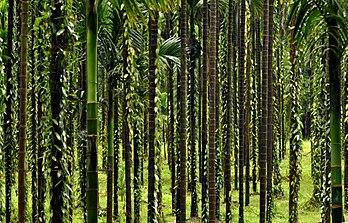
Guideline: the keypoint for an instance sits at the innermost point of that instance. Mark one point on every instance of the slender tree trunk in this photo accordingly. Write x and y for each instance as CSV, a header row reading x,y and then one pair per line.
x,y
181,217
59,42
212,112
83,144
234,92
110,149
9,146
33,135
204,114
92,111
218,171
264,113
228,116
270,117
193,54
125,131
137,185
153,26
23,111
241,85
335,125
294,175
247,126
41,181
116,152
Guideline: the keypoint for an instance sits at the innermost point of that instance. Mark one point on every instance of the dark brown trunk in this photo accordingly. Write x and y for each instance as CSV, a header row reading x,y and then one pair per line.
x,y
59,42
212,112
241,85
228,116
264,113
153,26
204,159
181,217
192,141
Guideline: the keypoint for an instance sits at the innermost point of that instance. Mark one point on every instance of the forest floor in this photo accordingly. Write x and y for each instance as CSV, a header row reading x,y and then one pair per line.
x,y
307,213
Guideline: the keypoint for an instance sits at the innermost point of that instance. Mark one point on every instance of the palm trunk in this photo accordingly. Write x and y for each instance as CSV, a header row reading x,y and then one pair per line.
x,y
110,150
247,126
294,185
212,112
137,185
92,111
23,111
264,114
181,217
8,123
241,85
204,113
194,205
234,92
335,124
41,182
218,168
125,132
270,117
116,154
83,145
33,135
153,32
228,117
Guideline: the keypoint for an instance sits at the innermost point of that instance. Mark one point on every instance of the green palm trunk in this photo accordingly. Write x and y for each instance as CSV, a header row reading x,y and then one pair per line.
x,y
335,125
92,174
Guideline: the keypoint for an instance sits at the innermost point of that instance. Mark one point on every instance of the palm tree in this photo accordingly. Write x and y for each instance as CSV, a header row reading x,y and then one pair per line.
x,y
264,113
270,115
331,15
228,116
181,216
241,85
294,138
92,107
194,50
153,32
110,166
23,111
212,112
204,112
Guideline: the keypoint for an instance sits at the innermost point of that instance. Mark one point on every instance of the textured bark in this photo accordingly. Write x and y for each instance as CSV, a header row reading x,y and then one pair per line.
x,y
241,86
110,163
125,132
270,116
228,116
57,70
153,26
204,113
8,122
23,111
264,113
181,216
137,183
116,152
192,141
212,112
92,110
83,144
335,121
